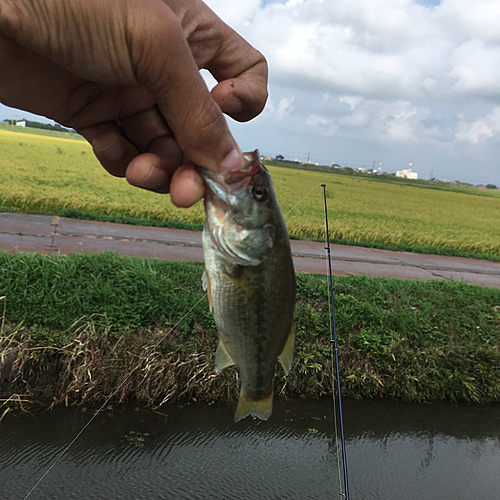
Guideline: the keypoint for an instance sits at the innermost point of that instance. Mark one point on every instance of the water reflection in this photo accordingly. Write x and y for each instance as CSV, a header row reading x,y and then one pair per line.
x,y
394,450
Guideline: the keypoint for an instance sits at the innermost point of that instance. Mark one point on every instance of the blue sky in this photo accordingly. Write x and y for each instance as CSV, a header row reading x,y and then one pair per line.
x,y
7,113
357,82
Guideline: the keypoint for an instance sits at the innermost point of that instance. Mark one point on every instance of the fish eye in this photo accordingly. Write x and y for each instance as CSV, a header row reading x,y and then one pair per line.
x,y
259,193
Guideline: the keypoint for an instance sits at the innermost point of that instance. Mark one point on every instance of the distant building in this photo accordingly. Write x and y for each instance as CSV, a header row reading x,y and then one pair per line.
x,y
20,123
407,174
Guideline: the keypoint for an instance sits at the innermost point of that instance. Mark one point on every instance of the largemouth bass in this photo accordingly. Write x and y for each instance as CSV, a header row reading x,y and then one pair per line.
x,y
250,280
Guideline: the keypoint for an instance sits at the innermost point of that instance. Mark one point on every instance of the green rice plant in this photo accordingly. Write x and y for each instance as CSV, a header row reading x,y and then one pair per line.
x,y
50,174
389,213
39,131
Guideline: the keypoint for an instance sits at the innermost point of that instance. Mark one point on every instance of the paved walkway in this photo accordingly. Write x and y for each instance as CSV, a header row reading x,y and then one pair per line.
x,y
41,233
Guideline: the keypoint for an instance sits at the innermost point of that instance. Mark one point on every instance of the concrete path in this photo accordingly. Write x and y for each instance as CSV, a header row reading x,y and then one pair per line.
x,y
48,234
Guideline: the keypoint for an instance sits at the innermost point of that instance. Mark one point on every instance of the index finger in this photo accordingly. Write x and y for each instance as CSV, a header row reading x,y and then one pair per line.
x,y
166,67
240,69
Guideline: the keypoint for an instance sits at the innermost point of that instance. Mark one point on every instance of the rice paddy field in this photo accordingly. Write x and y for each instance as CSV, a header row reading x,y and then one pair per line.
x,y
42,173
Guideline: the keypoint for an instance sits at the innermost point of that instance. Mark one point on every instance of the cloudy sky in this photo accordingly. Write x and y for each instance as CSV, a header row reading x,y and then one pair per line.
x,y
357,82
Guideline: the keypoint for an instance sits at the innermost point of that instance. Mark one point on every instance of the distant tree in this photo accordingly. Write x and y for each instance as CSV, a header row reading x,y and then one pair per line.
x,y
46,126
490,186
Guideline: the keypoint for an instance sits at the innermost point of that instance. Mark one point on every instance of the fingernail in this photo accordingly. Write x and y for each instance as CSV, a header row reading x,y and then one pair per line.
x,y
231,105
148,181
232,161
109,148
154,179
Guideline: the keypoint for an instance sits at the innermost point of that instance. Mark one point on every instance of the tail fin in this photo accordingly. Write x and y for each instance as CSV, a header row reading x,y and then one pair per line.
x,y
260,408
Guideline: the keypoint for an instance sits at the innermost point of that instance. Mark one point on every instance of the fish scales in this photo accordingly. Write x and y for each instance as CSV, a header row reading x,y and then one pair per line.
x,y
245,318
250,280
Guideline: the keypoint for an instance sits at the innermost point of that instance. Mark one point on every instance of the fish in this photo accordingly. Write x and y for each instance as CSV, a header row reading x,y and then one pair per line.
x,y
250,280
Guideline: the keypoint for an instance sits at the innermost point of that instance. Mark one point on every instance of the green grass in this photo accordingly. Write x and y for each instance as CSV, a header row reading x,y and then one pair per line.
x,y
53,292
50,174
410,340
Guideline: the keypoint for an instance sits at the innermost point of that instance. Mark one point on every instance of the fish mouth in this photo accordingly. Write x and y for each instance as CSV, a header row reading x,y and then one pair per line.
x,y
247,172
224,185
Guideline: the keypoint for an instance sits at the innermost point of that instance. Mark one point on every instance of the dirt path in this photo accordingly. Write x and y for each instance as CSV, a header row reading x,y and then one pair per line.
x,y
38,233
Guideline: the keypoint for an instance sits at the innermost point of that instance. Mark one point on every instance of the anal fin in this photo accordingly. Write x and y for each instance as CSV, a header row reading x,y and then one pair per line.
x,y
286,356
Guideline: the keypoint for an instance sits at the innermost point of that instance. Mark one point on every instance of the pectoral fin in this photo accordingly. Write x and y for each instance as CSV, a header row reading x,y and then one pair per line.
x,y
222,358
286,356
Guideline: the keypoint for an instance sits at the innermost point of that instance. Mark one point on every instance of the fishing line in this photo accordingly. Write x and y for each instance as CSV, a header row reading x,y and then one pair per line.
x,y
132,372
335,345
108,399
295,206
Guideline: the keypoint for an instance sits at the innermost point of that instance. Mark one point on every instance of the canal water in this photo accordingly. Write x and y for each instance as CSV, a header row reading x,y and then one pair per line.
x,y
395,451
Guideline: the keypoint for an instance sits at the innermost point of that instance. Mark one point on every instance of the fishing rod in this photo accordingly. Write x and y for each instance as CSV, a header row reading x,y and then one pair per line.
x,y
335,343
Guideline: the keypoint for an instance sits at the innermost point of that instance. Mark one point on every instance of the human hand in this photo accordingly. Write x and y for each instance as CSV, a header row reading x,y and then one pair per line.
x,y
125,75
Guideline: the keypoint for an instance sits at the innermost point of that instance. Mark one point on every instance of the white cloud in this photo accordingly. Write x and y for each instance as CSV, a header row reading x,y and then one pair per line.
x,y
321,124
355,120
314,120
351,116
476,69
378,48
480,130
279,110
351,100
235,13
469,19
398,121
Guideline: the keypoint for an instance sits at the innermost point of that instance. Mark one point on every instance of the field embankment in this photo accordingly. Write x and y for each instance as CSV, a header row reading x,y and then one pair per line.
x,y
61,176
81,327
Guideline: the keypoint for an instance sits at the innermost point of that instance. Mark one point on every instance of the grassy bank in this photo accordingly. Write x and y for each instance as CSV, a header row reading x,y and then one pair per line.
x,y
57,175
77,328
